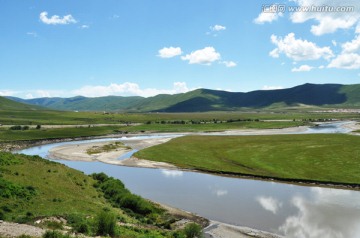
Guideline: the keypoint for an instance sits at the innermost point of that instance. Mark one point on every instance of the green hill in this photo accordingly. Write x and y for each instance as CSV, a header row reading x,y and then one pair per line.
x,y
57,192
7,104
201,100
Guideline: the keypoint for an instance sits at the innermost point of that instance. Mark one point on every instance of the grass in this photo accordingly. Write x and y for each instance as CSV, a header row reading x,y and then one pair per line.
x,y
51,117
32,188
7,135
208,127
35,134
58,188
107,148
315,157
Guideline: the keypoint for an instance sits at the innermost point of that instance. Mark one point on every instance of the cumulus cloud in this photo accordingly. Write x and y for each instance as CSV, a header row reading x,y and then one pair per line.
x,y
169,52
229,64
204,56
302,68
268,16
172,173
349,58
84,26
346,61
269,204
315,220
328,21
217,28
298,49
56,20
266,87
351,46
128,88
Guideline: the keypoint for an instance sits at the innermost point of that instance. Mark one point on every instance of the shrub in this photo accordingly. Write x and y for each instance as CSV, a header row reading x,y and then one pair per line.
x,y
38,127
54,234
193,230
106,223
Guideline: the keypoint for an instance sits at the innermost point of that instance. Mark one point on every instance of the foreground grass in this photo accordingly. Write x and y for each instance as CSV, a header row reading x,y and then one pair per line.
x,y
32,188
316,157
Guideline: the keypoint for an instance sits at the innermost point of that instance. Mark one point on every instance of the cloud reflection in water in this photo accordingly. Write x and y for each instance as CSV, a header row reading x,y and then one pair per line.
x,y
329,213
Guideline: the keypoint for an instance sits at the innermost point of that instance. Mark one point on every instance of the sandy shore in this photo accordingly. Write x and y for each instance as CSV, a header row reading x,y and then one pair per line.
x,y
221,230
78,152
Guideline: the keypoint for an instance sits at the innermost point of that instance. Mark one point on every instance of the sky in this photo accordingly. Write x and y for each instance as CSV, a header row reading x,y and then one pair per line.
x,y
140,47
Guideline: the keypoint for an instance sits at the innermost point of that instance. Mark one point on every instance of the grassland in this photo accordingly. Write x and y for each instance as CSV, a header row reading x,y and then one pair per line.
x,y
51,117
32,188
324,158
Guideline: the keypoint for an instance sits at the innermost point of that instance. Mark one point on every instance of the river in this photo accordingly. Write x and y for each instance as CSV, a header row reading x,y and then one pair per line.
x,y
285,209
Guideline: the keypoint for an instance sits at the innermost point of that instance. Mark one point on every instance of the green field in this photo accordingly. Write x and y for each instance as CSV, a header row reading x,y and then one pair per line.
x,y
51,117
32,188
331,158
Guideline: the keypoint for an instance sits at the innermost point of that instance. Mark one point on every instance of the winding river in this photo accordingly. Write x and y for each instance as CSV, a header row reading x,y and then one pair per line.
x,y
285,209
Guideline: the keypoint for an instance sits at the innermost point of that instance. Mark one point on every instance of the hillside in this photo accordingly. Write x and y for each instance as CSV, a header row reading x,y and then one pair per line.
x,y
7,104
201,100
51,196
80,103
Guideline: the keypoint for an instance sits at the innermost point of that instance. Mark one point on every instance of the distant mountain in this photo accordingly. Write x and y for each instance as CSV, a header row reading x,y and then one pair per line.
x,y
201,100
10,105
79,103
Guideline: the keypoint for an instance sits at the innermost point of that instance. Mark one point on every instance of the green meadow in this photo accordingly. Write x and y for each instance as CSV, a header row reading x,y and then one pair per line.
x,y
331,158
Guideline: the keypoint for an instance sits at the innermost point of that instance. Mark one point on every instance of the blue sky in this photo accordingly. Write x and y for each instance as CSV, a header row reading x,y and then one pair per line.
x,y
138,47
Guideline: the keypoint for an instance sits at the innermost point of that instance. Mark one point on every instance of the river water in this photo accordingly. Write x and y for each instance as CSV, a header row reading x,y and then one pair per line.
x,y
285,209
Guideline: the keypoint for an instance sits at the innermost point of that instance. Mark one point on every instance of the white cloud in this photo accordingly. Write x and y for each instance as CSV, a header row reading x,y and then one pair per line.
x,y
321,66
302,68
351,46
84,26
349,57
7,93
204,56
217,28
172,173
357,30
268,16
334,42
29,96
269,204
169,52
298,49
346,61
266,87
56,20
328,21
229,64
127,89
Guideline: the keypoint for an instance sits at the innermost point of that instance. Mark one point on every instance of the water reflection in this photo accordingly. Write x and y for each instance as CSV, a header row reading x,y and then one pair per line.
x,y
171,173
327,213
270,204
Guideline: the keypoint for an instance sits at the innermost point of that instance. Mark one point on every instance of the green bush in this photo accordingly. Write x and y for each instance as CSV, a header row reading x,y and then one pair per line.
x,y
193,230
106,224
54,234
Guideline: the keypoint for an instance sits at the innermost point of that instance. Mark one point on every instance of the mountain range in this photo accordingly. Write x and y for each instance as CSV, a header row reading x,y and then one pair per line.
x,y
201,100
